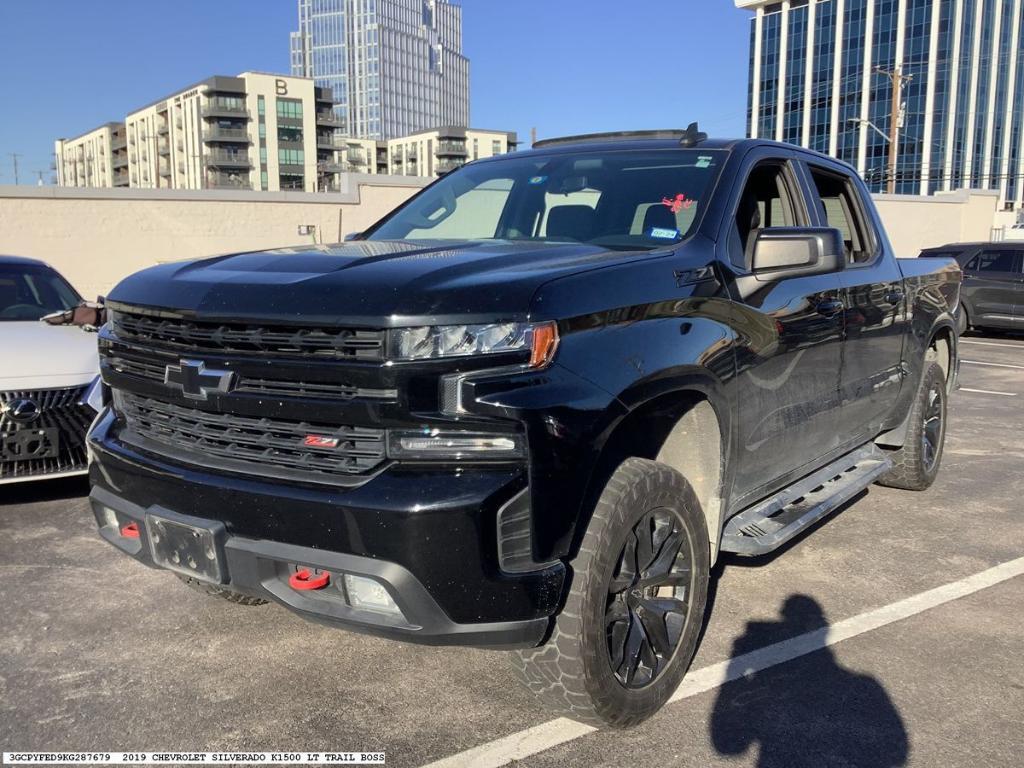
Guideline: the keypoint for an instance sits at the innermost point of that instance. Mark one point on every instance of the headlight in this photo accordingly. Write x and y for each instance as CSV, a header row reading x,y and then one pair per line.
x,y
96,396
428,342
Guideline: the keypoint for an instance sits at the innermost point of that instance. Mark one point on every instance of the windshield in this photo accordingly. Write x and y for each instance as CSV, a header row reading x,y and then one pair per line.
x,y
626,199
27,292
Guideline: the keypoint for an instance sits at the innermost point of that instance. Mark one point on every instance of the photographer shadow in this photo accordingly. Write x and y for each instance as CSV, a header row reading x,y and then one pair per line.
x,y
807,712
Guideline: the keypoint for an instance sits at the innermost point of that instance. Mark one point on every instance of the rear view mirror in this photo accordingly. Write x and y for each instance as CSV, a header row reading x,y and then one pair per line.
x,y
781,252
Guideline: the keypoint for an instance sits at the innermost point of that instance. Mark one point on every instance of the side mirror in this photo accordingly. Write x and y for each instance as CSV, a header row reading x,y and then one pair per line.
x,y
781,252
353,236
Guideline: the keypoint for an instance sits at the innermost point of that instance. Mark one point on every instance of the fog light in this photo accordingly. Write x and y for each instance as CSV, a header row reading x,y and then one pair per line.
x,y
369,595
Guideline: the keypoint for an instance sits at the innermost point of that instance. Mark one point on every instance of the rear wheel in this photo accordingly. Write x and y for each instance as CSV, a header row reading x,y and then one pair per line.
x,y
916,464
630,624
961,321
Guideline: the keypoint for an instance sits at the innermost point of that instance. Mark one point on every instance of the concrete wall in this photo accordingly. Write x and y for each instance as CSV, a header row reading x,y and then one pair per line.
x,y
97,236
914,222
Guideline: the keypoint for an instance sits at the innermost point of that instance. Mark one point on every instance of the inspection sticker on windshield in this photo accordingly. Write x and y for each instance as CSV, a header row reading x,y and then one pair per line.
x,y
538,179
663,234
704,161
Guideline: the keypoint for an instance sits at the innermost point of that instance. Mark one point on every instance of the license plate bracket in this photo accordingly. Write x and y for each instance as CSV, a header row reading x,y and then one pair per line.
x,y
187,545
26,444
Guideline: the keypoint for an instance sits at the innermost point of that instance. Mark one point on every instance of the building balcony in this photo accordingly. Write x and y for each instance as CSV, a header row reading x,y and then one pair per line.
x,y
330,166
445,166
213,109
328,118
162,129
221,181
329,143
118,142
226,134
165,171
121,180
356,156
163,149
451,149
229,160
119,161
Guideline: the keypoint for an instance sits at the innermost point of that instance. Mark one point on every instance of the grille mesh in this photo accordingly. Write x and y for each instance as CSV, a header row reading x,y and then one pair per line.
x,y
257,446
197,337
60,410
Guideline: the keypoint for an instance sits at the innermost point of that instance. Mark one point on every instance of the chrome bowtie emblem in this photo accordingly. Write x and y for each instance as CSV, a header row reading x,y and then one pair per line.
x,y
22,410
196,381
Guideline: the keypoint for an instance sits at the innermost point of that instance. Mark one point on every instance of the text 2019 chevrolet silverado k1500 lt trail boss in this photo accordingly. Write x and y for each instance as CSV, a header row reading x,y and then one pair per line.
x,y
530,407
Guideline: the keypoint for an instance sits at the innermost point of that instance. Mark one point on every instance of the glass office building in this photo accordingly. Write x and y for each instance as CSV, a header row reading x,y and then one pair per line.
x,y
815,80
395,67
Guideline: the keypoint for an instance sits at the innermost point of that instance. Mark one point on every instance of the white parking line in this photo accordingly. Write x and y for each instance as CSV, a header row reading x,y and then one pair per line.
x,y
994,365
991,344
532,741
988,392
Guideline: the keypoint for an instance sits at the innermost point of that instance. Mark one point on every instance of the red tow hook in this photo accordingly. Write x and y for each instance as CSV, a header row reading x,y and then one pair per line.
x,y
130,530
304,580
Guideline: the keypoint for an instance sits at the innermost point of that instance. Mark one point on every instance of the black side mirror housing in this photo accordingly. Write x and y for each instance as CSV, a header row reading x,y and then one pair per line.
x,y
781,252
353,236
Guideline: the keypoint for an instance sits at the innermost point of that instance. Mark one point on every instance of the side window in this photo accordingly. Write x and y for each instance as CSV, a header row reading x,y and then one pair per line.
x,y
840,208
767,200
996,261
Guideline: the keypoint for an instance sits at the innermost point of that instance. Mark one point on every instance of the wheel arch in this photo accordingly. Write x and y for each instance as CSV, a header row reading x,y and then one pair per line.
x,y
686,428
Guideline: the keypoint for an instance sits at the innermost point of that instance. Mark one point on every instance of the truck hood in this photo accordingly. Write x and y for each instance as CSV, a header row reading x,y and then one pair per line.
x,y
34,355
389,283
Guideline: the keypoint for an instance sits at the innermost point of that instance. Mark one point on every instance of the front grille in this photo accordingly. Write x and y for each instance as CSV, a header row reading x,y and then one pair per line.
x,y
255,446
154,371
195,336
27,450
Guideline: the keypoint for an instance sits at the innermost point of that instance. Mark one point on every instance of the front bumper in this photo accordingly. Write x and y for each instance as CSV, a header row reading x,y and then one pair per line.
x,y
429,536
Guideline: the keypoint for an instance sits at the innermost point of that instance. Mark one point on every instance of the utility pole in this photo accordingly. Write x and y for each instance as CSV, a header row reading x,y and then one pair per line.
x,y
898,80
14,157
40,175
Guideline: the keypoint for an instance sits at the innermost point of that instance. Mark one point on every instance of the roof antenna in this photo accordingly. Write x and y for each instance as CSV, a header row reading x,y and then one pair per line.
x,y
693,136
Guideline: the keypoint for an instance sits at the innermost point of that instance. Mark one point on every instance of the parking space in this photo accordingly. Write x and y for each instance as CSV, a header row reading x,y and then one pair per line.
x,y
100,653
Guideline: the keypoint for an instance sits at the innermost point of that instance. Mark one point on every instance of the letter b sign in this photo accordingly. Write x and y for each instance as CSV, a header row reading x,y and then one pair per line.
x,y
281,87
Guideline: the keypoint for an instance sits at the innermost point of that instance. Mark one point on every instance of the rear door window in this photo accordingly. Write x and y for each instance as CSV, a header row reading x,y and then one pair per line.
x,y
841,208
1001,260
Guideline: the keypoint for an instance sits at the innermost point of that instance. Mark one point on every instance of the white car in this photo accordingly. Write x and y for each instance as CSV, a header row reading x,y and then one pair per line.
x,y
49,376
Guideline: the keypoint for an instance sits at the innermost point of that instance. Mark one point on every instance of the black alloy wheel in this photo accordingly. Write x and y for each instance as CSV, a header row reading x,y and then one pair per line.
x,y
649,598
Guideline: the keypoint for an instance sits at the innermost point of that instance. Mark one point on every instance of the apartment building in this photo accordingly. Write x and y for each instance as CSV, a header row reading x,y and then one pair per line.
x,y
395,67
255,131
823,75
98,158
438,151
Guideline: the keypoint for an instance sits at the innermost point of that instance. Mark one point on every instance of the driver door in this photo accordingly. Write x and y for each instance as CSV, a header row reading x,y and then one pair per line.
x,y
790,332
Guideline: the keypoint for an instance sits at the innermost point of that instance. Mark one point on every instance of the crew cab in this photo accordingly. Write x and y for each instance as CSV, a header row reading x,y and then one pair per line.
x,y
530,407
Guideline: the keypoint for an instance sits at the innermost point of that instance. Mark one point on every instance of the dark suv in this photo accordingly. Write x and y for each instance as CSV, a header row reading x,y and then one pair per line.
x,y
993,291
530,407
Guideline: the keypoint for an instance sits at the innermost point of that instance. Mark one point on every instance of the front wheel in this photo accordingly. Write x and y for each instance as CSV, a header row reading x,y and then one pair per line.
x,y
629,628
916,464
961,321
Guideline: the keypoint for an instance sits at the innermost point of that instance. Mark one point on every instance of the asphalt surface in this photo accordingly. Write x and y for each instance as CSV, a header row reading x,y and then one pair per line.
x,y
100,653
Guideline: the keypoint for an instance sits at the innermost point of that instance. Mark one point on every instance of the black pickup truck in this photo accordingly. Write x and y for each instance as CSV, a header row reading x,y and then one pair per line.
x,y
529,408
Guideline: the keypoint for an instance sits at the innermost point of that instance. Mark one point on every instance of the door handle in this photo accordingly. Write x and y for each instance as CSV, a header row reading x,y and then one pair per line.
x,y
894,297
829,307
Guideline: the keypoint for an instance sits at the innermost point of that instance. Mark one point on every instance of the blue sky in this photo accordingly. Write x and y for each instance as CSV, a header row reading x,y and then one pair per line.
x,y
564,66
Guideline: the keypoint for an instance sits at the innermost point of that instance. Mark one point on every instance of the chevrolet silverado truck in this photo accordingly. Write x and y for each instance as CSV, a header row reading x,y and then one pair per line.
x,y
531,407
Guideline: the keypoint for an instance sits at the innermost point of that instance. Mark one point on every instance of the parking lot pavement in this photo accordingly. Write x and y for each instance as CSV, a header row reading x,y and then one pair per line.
x,y
100,653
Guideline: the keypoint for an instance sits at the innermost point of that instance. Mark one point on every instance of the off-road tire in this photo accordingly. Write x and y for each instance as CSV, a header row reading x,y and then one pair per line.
x,y
911,470
962,323
572,672
212,590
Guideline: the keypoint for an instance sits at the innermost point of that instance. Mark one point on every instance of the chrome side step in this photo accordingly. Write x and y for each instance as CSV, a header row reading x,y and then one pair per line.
x,y
769,524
